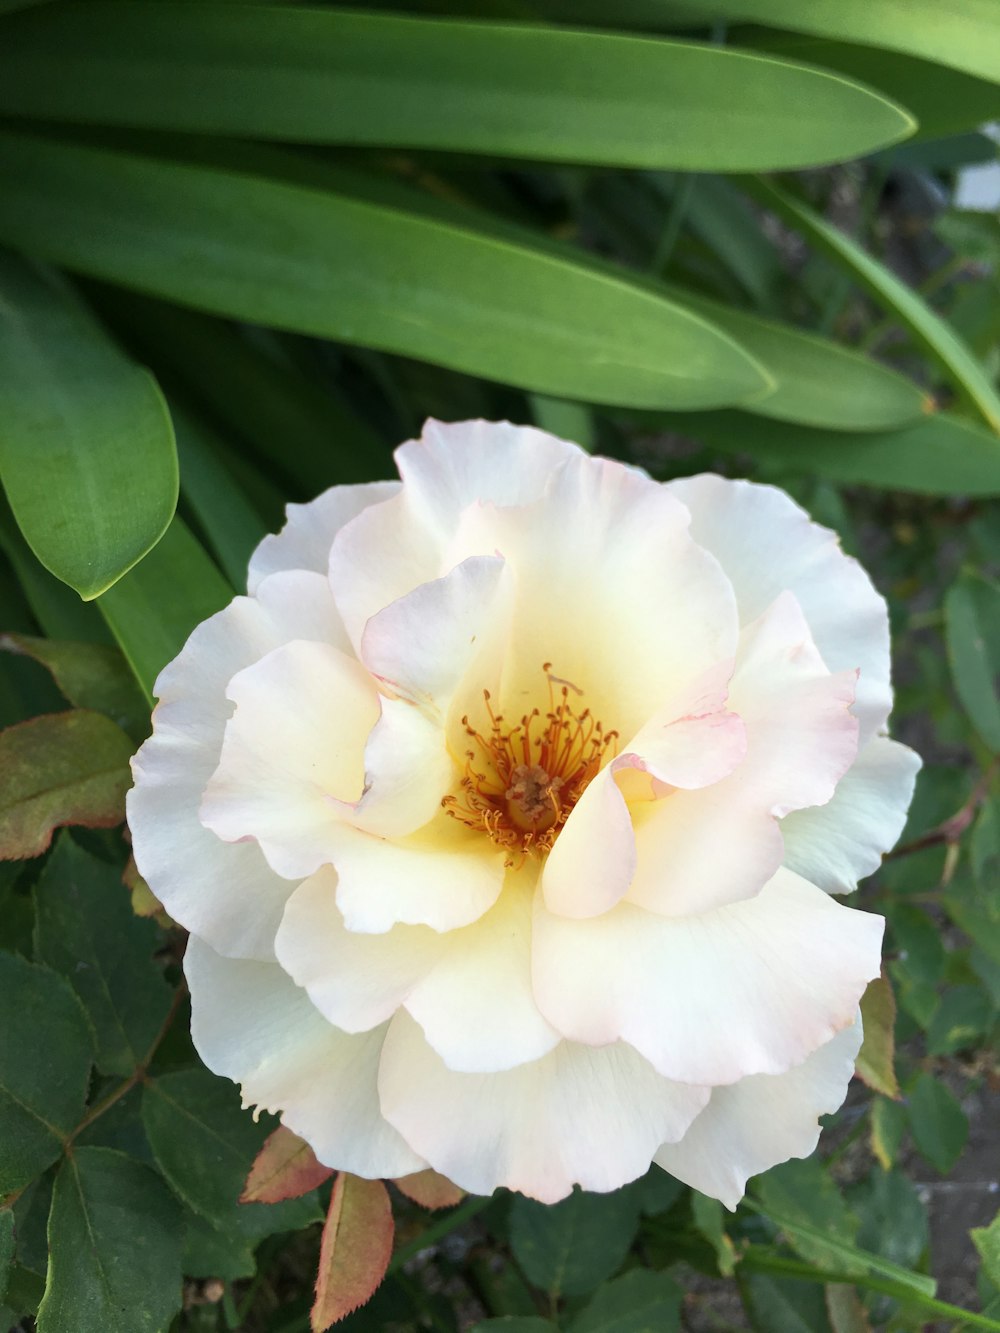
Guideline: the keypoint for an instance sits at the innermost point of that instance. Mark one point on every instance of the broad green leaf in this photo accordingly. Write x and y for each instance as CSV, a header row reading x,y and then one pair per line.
x,y
355,1249
211,1251
45,1056
962,33
338,267
893,1220
61,768
844,1309
515,1323
942,455
875,1063
90,675
153,609
945,101
818,382
937,337
513,91
801,1194
304,430
960,1020
231,525
205,1145
86,446
58,610
937,1121
780,1305
974,235
86,930
972,633
569,1248
634,1303
115,1263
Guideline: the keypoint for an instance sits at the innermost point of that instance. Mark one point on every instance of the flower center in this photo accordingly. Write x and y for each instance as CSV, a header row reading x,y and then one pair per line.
x,y
521,782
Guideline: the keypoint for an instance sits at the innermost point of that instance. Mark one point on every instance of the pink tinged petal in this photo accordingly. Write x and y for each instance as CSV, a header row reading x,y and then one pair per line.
x,y
763,1120
444,876
767,545
575,1116
425,644
292,759
356,981
250,1023
836,844
698,850
750,988
476,1005
305,540
454,465
225,892
610,589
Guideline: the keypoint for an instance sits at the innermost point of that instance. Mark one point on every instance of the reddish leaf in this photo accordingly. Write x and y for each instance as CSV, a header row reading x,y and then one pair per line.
x,y
876,1065
355,1251
284,1168
430,1190
61,768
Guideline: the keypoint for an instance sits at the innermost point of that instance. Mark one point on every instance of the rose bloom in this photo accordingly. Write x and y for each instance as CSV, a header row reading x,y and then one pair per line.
x,y
505,812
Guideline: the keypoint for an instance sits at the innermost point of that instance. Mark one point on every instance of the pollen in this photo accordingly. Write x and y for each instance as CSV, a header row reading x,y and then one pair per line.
x,y
520,782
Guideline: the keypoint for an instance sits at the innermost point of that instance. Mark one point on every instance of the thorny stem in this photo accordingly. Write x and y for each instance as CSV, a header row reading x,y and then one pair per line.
x,y
951,831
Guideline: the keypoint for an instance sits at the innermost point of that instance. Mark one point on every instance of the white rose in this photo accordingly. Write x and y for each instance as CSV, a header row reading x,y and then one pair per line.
x,y
504,813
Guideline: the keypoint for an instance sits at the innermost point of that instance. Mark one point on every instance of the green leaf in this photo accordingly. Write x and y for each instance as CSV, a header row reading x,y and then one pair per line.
x,y
778,1305
893,1220
86,448
58,610
876,1059
512,91
515,1323
231,525
987,1242
801,1197
85,929
205,1144
115,1261
972,631
211,1251
322,263
965,35
634,1303
942,455
45,1056
928,329
155,607
964,1014
61,768
709,1219
937,1122
6,1247
569,1248
945,101
90,675
818,383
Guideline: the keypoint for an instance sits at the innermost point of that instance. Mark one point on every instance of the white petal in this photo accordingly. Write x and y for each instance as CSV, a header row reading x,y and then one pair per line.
x,y
836,844
476,1005
698,850
425,644
408,769
454,465
226,892
611,590
250,1023
576,1116
356,981
443,876
305,540
767,545
750,988
292,760
761,1121
592,863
